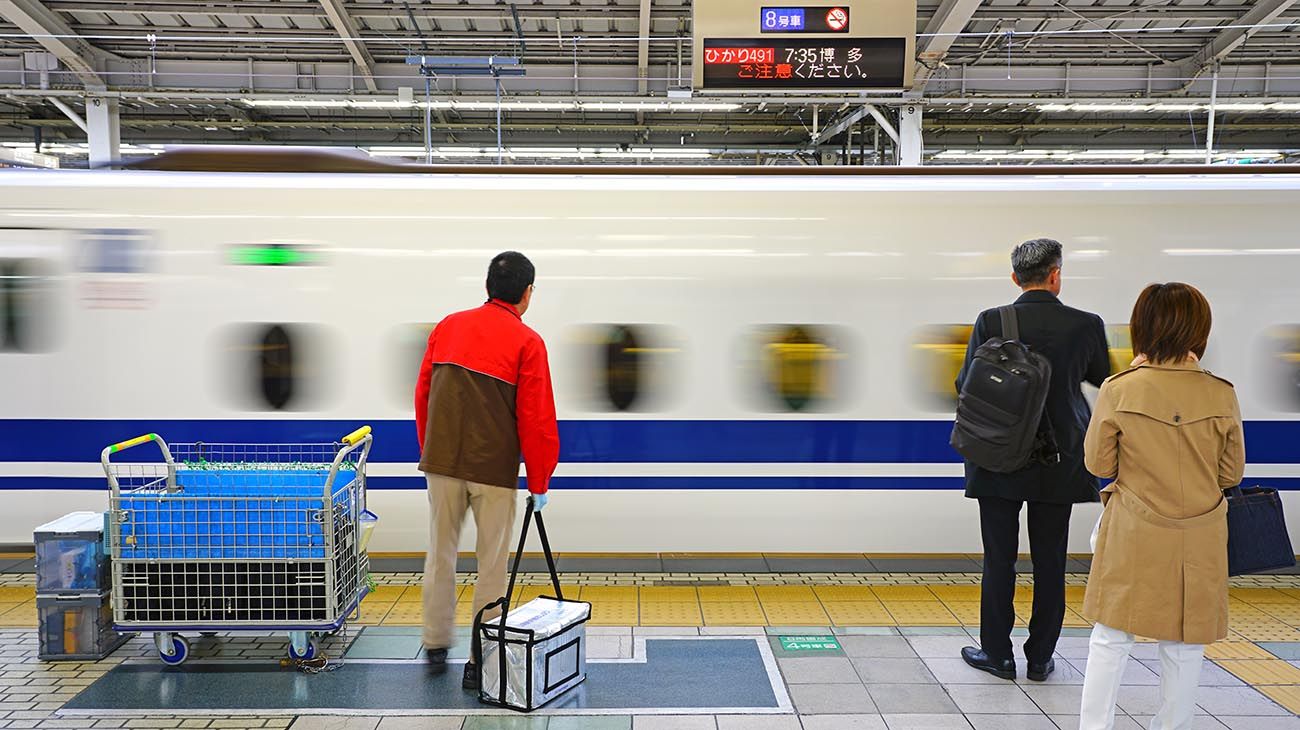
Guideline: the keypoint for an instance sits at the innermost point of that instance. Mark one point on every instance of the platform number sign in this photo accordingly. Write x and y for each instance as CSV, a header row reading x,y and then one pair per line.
x,y
809,643
804,19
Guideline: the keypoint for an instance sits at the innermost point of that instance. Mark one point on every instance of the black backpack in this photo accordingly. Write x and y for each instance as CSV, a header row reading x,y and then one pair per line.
x,y
1000,421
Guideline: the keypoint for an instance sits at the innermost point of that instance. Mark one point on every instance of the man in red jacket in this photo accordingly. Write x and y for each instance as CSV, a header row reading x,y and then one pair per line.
x,y
484,395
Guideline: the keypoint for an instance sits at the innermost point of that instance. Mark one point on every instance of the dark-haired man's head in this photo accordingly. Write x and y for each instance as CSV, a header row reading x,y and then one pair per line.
x,y
1036,264
510,279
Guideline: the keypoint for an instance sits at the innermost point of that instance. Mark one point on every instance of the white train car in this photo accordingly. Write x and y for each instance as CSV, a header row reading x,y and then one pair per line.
x,y
743,362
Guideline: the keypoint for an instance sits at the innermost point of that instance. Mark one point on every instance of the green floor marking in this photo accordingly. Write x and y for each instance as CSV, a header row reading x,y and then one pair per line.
x,y
809,643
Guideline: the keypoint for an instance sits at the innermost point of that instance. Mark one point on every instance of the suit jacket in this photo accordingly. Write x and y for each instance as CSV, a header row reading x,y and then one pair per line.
x,y
1074,342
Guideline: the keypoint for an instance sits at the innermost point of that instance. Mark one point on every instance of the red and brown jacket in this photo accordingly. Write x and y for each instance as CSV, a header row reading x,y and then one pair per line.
x,y
484,395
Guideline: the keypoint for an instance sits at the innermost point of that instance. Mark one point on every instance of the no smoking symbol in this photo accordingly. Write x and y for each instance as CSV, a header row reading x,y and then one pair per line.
x,y
837,19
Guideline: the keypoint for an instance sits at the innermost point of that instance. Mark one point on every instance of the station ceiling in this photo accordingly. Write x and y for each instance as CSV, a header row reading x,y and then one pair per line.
x,y
609,79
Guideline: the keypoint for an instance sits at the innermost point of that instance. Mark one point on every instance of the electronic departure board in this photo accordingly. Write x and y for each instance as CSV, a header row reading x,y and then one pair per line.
x,y
804,19
804,63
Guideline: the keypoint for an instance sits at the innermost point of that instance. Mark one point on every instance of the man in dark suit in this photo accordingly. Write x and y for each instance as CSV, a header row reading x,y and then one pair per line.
x,y
1074,342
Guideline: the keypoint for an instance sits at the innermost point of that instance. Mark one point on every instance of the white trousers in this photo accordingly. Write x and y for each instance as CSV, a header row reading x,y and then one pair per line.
x,y
1108,651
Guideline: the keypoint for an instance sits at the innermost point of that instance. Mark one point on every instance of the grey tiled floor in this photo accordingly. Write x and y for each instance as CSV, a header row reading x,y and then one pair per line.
x,y
882,679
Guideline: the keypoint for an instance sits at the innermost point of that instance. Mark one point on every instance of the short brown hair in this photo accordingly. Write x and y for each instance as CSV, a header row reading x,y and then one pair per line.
x,y
1169,321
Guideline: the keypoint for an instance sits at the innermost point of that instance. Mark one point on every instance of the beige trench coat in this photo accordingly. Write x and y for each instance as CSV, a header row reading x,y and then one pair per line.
x,y
1170,436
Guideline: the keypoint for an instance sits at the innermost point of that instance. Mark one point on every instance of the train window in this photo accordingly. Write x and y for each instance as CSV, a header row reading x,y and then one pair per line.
x,y
281,367
628,366
938,352
25,305
1282,359
1121,347
799,367
275,367
407,344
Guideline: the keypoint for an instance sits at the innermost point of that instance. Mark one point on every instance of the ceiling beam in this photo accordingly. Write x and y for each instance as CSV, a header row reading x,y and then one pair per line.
x,y
951,18
347,31
443,10
57,37
1229,39
643,49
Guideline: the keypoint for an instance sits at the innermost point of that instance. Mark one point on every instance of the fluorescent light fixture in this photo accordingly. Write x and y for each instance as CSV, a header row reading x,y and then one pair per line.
x,y
1241,107
1177,107
482,104
657,106
551,153
299,103
1109,107
1165,107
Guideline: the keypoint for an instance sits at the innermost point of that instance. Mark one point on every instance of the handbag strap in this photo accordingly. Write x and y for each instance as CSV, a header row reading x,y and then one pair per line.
x,y
1010,322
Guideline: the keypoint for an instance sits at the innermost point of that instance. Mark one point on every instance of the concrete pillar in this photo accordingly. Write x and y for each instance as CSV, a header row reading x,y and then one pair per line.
x,y
105,131
910,144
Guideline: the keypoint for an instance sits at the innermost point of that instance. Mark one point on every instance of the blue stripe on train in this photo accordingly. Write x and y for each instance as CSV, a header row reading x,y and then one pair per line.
x,y
640,483
623,441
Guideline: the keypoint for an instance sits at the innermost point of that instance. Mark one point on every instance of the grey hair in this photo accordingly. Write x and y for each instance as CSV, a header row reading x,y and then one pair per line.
x,y
1034,260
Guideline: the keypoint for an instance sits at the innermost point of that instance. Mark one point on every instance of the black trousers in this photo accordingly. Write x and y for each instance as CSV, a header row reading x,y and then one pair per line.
x,y
1049,528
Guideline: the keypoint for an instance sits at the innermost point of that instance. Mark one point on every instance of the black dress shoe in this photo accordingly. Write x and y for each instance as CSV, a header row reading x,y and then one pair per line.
x,y
437,660
471,679
1039,672
1001,668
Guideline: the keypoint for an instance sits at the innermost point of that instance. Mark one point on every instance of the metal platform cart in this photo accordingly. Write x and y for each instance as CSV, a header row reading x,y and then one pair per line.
x,y
239,537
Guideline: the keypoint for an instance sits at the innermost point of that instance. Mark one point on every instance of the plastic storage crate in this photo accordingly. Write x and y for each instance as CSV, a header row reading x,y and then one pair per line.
x,y
70,555
76,627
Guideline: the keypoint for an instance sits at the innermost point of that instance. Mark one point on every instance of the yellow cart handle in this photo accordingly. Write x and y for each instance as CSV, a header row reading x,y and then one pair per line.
x,y
131,443
124,445
353,438
358,439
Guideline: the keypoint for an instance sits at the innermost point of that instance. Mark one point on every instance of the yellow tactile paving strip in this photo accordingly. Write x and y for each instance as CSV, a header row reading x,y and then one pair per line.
x,y
1259,612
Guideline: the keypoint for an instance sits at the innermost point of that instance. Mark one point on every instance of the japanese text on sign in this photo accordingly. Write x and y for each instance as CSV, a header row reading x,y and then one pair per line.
x,y
740,55
783,19
812,63
805,19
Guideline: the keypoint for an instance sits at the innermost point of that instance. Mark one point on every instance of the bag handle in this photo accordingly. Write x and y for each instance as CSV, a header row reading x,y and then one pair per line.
x,y
1010,322
504,602
529,515
476,641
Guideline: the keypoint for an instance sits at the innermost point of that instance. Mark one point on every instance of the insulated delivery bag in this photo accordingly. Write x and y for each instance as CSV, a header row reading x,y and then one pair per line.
x,y
532,654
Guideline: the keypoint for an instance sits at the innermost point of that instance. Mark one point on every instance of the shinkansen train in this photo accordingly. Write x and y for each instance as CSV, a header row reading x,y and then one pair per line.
x,y
743,360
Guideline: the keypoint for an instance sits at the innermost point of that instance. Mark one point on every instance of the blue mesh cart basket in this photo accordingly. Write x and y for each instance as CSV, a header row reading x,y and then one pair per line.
x,y
238,537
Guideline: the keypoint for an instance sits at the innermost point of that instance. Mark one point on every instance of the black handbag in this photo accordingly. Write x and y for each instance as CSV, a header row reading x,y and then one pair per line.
x,y
1257,535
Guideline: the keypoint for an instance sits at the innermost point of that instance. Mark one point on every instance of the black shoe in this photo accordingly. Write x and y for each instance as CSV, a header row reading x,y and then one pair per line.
x,y
437,660
471,680
1040,672
1003,669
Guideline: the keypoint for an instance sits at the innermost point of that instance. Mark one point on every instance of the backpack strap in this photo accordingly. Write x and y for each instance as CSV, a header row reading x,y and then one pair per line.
x,y
1010,323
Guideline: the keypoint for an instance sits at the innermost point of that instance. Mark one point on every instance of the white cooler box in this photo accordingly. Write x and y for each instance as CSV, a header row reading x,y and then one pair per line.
x,y
544,650
541,651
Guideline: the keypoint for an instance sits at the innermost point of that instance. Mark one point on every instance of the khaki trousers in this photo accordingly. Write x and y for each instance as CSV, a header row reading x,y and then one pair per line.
x,y
494,519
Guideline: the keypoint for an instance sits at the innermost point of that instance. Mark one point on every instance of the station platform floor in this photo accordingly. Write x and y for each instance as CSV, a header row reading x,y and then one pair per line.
x,y
667,650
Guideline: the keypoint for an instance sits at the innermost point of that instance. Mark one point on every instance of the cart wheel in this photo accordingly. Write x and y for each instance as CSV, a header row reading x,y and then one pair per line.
x,y
307,654
180,651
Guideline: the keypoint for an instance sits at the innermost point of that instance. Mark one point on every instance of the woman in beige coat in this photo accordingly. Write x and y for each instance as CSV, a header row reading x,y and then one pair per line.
x,y
1169,434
